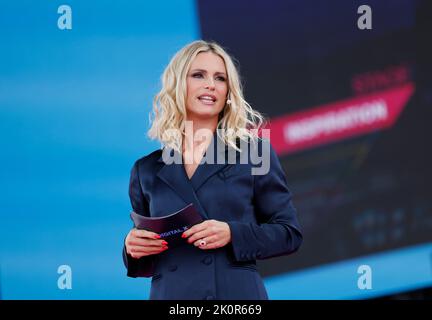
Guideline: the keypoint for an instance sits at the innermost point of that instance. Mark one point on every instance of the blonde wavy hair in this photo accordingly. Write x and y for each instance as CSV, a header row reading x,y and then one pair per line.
x,y
237,120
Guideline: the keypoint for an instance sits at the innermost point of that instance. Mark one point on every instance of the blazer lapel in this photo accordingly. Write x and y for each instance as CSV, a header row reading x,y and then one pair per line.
x,y
174,175
216,152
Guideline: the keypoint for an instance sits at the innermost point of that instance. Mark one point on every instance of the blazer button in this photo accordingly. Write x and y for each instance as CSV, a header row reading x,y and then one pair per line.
x,y
207,260
173,268
210,298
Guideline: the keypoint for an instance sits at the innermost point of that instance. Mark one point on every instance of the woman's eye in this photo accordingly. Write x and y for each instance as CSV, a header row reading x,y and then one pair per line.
x,y
197,75
220,78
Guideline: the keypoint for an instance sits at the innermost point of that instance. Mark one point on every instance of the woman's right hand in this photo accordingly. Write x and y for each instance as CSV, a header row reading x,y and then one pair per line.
x,y
140,243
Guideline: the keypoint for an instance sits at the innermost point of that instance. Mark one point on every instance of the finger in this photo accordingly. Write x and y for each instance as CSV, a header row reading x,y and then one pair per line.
x,y
207,241
138,255
198,235
200,243
141,233
147,242
212,245
139,249
196,228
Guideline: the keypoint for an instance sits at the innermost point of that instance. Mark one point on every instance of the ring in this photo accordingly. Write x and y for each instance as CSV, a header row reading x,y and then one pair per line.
x,y
202,242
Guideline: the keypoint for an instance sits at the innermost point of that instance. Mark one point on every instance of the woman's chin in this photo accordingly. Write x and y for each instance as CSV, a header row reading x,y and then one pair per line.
x,y
202,115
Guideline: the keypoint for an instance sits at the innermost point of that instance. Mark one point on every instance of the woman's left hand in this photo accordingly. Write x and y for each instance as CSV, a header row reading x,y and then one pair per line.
x,y
210,234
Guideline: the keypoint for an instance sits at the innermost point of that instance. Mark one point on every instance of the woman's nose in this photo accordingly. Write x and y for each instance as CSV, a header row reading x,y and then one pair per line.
x,y
210,84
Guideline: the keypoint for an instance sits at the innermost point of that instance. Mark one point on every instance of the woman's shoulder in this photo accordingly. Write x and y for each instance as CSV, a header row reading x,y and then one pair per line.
x,y
149,160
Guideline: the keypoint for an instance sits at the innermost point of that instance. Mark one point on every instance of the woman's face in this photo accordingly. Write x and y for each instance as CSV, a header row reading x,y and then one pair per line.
x,y
207,87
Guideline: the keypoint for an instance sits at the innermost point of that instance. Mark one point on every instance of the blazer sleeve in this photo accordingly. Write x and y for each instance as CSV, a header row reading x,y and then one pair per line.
x,y
144,266
277,231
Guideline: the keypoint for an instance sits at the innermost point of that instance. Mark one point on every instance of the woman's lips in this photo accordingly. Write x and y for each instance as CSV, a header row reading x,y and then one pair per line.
x,y
207,100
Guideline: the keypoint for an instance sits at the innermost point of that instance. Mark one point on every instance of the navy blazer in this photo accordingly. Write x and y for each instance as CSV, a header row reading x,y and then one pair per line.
x,y
258,209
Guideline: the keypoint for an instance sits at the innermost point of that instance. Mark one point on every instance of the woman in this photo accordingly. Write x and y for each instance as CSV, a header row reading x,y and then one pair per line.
x,y
246,216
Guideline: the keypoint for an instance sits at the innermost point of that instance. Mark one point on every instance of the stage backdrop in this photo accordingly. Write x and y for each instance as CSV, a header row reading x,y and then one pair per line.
x,y
349,114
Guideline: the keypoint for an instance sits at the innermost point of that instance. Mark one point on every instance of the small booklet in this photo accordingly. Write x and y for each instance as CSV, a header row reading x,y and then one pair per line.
x,y
169,227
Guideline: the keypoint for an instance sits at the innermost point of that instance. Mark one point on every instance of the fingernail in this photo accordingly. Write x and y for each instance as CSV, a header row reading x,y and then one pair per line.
x,y
157,236
164,242
164,248
183,236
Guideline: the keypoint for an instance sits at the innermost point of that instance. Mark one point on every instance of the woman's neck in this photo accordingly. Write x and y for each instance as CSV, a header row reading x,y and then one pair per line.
x,y
198,133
